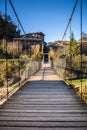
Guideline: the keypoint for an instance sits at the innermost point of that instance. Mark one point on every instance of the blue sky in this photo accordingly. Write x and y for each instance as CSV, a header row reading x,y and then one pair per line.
x,y
48,16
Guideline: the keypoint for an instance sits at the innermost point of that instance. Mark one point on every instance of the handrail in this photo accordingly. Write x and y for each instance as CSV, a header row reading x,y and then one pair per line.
x,y
65,72
30,69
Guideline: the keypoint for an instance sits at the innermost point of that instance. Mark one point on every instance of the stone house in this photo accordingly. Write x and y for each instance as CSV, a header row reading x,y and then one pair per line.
x,y
32,42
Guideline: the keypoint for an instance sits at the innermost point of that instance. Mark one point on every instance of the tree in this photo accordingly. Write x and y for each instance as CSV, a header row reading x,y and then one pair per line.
x,y
1,26
52,54
7,28
74,48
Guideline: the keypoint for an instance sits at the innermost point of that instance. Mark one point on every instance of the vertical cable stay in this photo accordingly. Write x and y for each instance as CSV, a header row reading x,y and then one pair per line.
x,y
70,19
6,46
81,43
70,53
18,57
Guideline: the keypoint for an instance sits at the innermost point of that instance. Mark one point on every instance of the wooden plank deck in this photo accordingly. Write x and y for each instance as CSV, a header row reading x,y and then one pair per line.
x,y
44,103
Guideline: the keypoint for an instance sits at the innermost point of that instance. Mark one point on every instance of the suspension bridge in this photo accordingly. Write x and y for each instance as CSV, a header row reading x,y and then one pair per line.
x,y
39,98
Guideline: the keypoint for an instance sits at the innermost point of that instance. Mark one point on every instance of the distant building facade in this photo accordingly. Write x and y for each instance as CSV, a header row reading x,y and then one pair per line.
x,y
31,42
84,46
66,44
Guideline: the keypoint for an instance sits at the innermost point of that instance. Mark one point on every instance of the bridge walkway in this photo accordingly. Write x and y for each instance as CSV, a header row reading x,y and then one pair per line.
x,y
44,103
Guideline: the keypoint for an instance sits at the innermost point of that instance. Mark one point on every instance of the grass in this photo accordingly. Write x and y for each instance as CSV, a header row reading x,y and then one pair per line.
x,y
76,83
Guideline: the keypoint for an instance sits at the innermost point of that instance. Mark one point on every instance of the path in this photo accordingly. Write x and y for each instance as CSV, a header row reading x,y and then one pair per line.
x,y
44,103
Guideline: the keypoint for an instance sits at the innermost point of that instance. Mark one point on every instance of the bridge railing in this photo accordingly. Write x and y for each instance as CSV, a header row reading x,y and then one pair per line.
x,y
14,75
59,67
72,77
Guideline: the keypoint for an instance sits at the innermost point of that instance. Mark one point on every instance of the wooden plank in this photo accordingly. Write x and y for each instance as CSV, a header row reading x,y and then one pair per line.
x,y
44,114
42,124
41,105
43,128
50,119
45,103
46,108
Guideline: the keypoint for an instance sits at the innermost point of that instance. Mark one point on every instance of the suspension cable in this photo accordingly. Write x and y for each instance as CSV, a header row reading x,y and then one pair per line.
x,y
70,19
17,16
18,21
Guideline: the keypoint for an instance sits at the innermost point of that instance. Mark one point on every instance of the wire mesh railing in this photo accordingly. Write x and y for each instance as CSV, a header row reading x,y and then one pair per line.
x,y
72,77
16,65
15,77
72,66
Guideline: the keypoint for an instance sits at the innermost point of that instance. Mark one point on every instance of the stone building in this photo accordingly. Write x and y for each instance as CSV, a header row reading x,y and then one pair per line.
x,y
84,46
32,42
11,45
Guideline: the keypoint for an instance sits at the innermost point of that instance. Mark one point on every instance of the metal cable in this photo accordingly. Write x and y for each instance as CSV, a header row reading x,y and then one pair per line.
x,y
16,16
70,53
18,21
6,47
81,43
70,19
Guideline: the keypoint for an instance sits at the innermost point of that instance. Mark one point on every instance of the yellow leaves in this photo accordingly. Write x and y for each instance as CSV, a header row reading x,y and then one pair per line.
x,y
52,54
